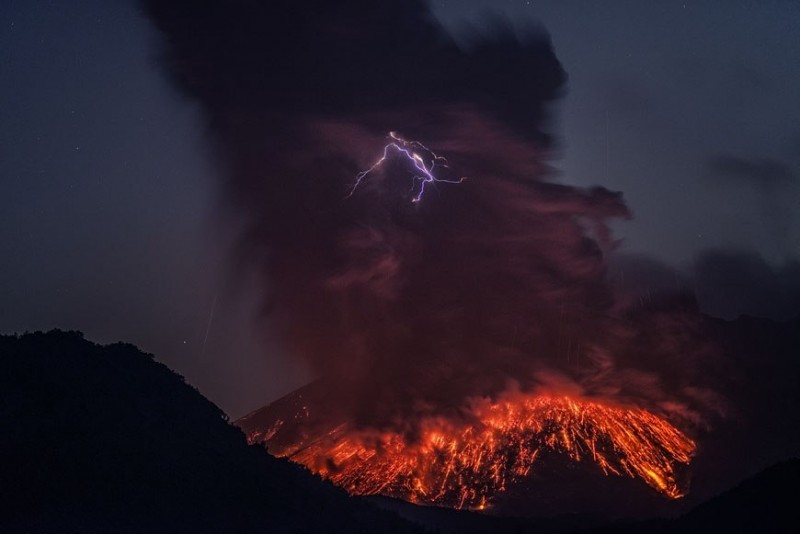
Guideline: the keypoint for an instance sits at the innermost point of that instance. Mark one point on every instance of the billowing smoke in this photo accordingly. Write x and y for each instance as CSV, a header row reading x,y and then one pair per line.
x,y
493,284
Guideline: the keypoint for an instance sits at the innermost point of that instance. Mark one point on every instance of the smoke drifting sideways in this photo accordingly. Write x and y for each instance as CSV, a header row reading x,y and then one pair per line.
x,y
412,309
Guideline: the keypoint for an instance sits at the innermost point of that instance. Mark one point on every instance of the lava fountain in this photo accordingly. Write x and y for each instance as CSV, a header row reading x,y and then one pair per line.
x,y
464,462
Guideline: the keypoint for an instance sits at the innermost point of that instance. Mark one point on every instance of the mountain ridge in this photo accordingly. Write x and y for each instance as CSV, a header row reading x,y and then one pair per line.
x,y
106,439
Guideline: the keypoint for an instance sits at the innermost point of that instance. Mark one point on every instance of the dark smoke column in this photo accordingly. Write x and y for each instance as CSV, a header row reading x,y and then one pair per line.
x,y
299,99
415,311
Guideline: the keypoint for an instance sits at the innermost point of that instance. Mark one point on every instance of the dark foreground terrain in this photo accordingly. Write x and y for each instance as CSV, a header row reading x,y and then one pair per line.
x,y
105,439
766,502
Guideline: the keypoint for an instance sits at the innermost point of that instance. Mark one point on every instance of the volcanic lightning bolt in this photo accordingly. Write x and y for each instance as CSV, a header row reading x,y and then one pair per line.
x,y
424,160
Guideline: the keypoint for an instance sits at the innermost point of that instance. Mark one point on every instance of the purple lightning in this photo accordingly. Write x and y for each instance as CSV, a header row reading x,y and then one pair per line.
x,y
410,149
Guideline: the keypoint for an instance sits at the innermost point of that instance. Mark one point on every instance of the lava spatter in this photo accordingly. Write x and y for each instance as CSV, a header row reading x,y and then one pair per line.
x,y
465,462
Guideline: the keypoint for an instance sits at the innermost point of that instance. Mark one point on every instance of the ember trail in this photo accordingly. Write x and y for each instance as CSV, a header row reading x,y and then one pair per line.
x,y
421,157
464,464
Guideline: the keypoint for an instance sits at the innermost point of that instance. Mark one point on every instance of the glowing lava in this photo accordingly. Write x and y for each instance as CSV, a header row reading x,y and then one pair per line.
x,y
465,462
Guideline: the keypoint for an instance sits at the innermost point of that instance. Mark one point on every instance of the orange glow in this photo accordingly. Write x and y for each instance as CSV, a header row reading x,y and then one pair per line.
x,y
465,462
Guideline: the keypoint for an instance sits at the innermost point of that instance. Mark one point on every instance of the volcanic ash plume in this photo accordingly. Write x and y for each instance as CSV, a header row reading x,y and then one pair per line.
x,y
451,297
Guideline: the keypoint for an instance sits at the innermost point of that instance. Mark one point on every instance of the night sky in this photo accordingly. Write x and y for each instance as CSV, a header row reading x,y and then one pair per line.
x,y
110,221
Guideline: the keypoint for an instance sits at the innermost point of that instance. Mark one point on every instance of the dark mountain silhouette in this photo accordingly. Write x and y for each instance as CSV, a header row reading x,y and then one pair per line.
x,y
103,438
767,502
764,503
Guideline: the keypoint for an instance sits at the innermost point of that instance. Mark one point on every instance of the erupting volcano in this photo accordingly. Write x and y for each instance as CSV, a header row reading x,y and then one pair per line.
x,y
468,335
465,461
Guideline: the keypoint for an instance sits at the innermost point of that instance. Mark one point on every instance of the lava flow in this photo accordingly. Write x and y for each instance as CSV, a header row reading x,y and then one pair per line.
x,y
466,462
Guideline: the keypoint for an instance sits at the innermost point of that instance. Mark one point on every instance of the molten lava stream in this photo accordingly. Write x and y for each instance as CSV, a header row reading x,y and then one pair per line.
x,y
464,464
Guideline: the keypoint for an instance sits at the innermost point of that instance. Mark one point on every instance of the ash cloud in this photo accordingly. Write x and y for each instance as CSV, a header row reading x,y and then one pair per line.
x,y
734,283
760,173
771,186
500,281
